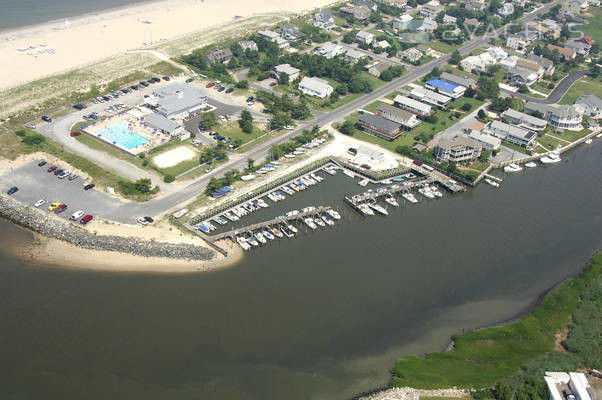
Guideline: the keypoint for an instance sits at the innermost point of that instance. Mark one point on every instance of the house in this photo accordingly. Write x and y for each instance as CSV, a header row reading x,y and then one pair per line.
x,y
581,45
572,385
578,5
447,88
426,25
523,120
379,126
376,68
521,76
512,134
563,51
315,87
412,105
459,80
412,54
519,3
248,45
398,115
329,50
419,148
215,56
517,42
402,22
163,124
292,72
282,43
361,13
383,44
565,116
486,141
459,149
552,25
368,4
472,22
427,50
270,35
506,10
430,11
509,62
428,96
448,19
323,20
531,65
497,52
591,104
178,101
394,3
292,33
353,56
547,65
364,37
475,5
477,63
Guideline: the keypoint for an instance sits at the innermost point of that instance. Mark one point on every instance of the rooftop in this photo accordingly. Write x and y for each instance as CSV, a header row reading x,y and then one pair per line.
x,y
380,123
450,87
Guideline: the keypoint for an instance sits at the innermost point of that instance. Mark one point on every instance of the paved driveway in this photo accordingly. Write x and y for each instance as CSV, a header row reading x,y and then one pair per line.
x,y
559,91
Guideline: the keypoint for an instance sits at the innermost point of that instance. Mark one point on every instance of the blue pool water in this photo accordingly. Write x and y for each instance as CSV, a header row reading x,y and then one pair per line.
x,y
120,135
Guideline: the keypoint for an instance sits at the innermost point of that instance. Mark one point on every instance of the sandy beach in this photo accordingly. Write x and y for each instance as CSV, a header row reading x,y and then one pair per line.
x,y
80,41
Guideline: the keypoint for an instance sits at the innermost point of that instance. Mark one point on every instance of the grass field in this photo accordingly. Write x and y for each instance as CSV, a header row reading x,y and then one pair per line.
x,y
440,46
482,358
583,85
594,28
233,131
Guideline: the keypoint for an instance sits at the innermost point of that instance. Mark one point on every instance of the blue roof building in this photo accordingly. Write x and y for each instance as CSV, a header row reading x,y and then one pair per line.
x,y
447,88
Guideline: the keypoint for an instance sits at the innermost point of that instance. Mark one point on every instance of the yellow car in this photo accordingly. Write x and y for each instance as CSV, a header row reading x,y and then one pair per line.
x,y
54,206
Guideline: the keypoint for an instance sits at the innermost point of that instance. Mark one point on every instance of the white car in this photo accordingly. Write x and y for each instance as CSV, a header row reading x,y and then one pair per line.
x,y
142,221
77,215
289,128
72,177
64,174
39,202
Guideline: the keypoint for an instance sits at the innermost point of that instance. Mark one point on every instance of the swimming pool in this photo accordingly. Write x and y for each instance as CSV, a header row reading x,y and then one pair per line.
x,y
120,135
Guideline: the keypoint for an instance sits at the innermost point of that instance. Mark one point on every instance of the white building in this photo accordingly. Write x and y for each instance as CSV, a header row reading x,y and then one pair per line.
x,y
506,10
574,382
459,149
477,63
565,116
488,142
364,37
523,120
430,11
431,97
591,105
292,72
402,22
513,134
329,50
249,45
315,87
353,56
270,35
412,105
383,44
323,20
178,101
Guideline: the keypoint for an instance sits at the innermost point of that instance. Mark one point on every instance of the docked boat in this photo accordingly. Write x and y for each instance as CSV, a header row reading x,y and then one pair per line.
x,y
410,197
220,220
589,141
203,228
425,191
330,171
260,237
277,232
363,182
308,209
288,190
552,158
292,228
251,239
349,173
310,222
268,235
295,187
374,205
247,177
288,233
512,168
289,156
386,181
209,225
273,197
530,164
398,179
243,243
334,214
492,182
327,219
365,209
391,200
319,222
262,203
435,191
231,216
317,178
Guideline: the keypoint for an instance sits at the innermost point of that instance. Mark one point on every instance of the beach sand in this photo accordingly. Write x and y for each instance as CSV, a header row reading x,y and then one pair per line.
x,y
83,40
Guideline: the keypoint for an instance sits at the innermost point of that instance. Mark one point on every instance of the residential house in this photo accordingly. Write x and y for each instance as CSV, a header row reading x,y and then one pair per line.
x,y
282,43
426,50
383,44
368,4
475,5
591,104
427,25
547,65
519,3
512,134
509,62
497,52
521,76
459,149
459,80
517,42
448,19
563,51
270,35
292,72
364,37
523,120
292,33
353,56
486,141
323,20
577,6
329,50
446,88
430,11
394,3
398,115
564,117
429,96
553,26
402,22
376,68
581,45
419,148
412,54
412,105
379,126
478,63
215,56
506,10
315,87
531,65
248,45
472,22
361,13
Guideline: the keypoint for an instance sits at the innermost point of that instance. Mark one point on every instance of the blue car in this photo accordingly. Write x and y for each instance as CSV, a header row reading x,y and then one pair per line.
x,y
12,190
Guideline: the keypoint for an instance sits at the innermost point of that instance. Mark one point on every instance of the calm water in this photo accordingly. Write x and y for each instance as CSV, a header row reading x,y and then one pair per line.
x,y
19,13
320,317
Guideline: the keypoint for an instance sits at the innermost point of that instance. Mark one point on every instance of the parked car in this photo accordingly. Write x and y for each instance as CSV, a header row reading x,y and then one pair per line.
x,y
289,127
221,89
51,169
30,126
366,166
72,177
142,221
75,133
273,83
60,209
79,106
149,220
54,206
89,186
64,174
41,163
210,85
189,80
86,219
165,78
230,90
39,203
77,215
46,118
208,169
57,172
12,190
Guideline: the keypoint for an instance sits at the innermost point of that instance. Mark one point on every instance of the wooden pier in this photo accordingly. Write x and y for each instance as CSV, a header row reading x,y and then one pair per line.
x,y
359,198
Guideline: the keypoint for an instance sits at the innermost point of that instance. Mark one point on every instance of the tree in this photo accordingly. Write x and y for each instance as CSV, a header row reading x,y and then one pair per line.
x,y
523,89
485,154
386,76
143,185
33,140
208,120
244,84
359,85
283,78
455,58
169,178
250,163
470,92
594,70
342,89
488,88
481,114
347,128
466,107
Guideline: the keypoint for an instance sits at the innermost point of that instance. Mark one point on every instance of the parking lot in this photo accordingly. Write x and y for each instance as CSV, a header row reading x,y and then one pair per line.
x,y
36,183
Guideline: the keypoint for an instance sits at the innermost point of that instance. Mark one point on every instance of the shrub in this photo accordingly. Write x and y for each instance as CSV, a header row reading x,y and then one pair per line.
x,y
34,140
169,178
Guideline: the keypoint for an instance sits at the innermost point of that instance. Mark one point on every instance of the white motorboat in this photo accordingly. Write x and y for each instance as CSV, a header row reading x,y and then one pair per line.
x,y
286,232
334,214
308,209
277,232
363,182
310,222
386,181
317,178
349,173
589,141
330,171
410,197
251,239
530,164
492,182
268,235
243,243
391,200
260,237
247,177
328,220
365,208
288,190
512,168
436,191
273,197
378,208
319,222
292,228
262,203
552,158
425,191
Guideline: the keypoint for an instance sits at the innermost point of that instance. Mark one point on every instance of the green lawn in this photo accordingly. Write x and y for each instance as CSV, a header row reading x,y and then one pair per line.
x,y
164,68
583,85
515,147
440,46
594,28
233,131
482,358
541,87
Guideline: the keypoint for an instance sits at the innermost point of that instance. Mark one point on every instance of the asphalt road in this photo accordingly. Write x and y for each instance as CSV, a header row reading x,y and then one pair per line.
x,y
559,91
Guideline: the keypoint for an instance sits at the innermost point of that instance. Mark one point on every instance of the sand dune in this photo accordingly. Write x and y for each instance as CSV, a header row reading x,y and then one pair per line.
x,y
60,46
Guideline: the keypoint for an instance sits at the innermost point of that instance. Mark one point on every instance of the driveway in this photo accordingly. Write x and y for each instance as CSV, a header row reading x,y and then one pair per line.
x,y
459,127
559,91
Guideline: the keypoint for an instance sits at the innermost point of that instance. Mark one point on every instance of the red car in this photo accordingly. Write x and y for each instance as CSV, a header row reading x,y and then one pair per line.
x,y
85,219
273,83
75,133
210,85
60,209
366,166
51,169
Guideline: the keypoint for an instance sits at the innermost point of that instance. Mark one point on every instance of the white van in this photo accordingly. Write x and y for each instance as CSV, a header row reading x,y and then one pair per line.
x,y
77,215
